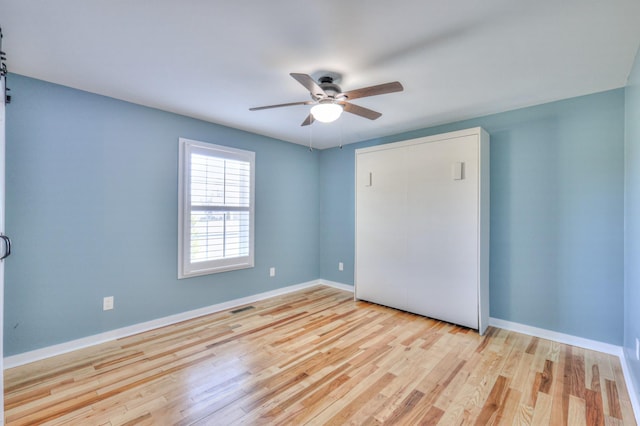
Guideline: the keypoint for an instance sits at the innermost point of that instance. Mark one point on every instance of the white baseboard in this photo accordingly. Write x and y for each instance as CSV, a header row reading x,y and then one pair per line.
x,y
49,351
339,286
568,339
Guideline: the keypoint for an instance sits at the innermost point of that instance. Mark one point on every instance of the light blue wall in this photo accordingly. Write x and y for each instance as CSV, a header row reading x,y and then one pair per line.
x,y
92,211
556,213
632,221
337,214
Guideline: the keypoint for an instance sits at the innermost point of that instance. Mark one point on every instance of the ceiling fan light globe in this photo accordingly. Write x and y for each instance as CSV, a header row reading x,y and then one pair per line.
x,y
326,112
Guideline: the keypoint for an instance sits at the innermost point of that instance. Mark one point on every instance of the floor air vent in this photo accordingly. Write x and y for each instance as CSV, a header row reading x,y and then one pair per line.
x,y
246,308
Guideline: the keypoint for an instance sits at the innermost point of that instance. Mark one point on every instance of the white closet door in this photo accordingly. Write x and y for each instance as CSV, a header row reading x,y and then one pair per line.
x,y
381,238
442,217
422,226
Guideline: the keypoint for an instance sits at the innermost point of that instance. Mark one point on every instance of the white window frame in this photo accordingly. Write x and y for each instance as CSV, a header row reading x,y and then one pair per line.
x,y
186,268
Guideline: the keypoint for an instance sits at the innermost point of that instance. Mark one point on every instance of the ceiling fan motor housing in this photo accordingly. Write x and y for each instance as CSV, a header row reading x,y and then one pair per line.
x,y
329,87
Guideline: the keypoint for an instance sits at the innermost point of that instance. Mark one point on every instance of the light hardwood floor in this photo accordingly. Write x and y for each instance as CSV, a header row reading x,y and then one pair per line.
x,y
318,357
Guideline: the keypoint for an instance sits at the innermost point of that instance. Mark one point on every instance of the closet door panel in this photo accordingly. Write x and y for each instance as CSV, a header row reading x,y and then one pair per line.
x,y
422,228
442,251
381,234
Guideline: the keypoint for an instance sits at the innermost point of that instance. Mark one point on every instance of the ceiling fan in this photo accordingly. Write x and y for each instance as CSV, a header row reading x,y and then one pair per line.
x,y
329,100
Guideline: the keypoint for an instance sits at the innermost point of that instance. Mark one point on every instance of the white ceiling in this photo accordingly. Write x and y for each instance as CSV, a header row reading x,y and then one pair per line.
x,y
215,59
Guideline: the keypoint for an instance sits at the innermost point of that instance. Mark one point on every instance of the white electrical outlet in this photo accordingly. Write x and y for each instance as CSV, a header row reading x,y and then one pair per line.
x,y
107,303
340,266
637,349
272,272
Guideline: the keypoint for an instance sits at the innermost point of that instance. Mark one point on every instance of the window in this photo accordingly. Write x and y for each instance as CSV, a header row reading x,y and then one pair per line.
x,y
216,212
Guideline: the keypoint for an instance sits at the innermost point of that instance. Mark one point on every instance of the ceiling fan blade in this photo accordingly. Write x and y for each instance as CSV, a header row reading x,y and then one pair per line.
x,y
361,111
281,105
380,89
308,120
310,84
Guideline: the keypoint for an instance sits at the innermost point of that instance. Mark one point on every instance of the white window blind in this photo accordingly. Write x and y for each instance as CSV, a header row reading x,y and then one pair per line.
x,y
216,208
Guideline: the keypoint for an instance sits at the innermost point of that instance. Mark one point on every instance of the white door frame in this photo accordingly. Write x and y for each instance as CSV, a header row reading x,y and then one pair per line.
x,y
2,167
2,244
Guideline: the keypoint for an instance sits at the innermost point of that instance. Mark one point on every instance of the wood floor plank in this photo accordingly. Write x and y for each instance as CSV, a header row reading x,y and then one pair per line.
x,y
576,412
508,411
493,402
594,414
613,400
316,356
542,412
